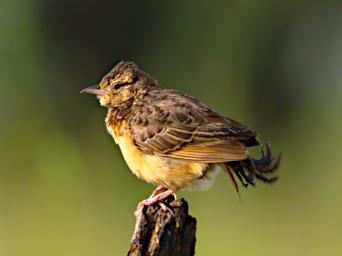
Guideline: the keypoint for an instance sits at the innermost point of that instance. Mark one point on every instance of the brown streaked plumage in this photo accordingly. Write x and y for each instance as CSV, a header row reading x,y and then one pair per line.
x,y
173,140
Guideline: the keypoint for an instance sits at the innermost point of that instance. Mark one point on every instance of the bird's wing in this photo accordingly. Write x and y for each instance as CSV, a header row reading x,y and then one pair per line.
x,y
180,127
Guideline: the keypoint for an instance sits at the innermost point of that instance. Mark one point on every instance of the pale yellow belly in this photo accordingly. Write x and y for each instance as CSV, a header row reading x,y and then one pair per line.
x,y
172,173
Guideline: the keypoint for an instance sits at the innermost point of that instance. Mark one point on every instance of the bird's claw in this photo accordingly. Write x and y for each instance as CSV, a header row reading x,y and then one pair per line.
x,y
157,197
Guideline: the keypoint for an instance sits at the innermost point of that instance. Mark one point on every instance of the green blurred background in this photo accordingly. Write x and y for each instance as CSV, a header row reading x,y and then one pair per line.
x,y
274,65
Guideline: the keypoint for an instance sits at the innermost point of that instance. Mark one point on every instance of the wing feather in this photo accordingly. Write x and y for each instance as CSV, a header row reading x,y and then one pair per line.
x,y
180,127
223,152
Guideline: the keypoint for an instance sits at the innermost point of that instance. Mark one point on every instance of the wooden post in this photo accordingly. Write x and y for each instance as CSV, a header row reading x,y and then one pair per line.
x,y
163,233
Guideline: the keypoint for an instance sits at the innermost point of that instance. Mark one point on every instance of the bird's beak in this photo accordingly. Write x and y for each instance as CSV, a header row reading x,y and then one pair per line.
x,y
94,89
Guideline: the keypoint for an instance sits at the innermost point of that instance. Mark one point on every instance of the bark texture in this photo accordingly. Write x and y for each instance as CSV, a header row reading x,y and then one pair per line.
x,y
163,233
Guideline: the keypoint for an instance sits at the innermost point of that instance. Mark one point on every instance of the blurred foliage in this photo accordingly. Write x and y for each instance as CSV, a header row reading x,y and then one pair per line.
x,y
276,66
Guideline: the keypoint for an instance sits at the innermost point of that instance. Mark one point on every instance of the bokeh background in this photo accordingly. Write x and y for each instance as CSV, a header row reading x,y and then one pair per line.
x,y
274,65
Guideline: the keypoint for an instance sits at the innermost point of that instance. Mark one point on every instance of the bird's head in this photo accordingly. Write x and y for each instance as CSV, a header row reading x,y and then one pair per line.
x,y
121,85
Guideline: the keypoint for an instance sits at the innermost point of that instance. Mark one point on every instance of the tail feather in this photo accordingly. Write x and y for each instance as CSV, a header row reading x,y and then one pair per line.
x,y
250,169
232,180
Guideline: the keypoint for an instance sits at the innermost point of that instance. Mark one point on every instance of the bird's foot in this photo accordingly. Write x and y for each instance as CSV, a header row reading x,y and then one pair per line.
x,y
157,197
161,189
158,190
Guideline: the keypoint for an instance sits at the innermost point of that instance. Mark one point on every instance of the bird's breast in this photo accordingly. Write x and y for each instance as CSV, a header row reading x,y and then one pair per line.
x,y
172,173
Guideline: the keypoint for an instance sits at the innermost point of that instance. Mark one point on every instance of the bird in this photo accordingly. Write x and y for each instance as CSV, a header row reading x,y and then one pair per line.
x,y
174,141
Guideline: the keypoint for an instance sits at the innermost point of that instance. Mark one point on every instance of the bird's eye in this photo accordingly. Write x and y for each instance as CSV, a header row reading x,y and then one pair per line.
x,y
118,86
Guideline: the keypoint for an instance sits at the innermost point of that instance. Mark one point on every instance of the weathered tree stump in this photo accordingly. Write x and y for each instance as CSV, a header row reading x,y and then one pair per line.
x,y
163,233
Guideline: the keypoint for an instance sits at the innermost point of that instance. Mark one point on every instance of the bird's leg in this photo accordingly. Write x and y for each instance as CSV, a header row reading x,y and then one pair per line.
x,y
158,190
157,197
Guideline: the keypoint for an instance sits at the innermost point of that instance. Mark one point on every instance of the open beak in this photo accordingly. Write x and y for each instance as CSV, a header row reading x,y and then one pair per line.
x,y
94,89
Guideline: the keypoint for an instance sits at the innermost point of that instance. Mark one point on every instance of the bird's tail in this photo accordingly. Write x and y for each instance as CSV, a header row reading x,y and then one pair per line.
x,y
250,169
